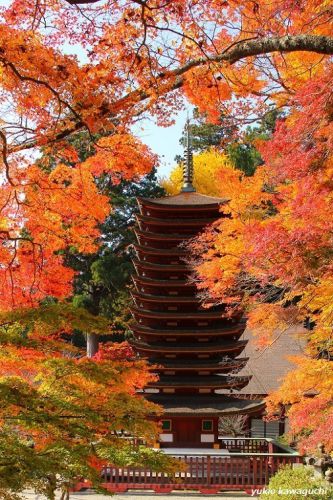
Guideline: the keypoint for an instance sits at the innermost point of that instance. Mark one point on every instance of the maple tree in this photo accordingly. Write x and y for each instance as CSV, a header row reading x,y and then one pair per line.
x,y
136,59
64,416
275,254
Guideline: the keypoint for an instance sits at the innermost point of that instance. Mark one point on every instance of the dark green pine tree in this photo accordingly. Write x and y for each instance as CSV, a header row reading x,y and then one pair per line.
x,y
102,283
242,152
103,279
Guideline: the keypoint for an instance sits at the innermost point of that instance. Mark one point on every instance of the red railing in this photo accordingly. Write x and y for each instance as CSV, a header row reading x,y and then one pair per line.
x,y
209,473
245,445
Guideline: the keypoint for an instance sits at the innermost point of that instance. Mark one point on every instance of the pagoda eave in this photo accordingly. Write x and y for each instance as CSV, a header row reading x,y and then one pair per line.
x,y
207,405
198,348
211,382
164,298
184,202
198,365
162,283
195,332
184,268
155,221
160,251
146,235
170,315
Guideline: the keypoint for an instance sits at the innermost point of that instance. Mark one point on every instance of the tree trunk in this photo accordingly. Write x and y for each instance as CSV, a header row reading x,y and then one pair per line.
x,y
65,494
92,344
51,487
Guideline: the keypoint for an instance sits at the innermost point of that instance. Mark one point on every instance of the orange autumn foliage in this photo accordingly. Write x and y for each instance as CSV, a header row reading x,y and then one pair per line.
x,y
121,155
134,60
277,249
100,68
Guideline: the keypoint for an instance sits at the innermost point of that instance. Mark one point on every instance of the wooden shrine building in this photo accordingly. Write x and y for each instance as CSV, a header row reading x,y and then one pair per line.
x,y
197,351
207,363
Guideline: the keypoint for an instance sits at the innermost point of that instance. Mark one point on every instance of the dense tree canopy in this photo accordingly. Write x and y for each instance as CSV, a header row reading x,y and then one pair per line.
x,y
228,58
276,253
237,59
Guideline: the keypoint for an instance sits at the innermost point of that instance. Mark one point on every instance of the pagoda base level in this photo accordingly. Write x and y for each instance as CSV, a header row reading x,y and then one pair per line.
x,y
205,405
189,432
192,422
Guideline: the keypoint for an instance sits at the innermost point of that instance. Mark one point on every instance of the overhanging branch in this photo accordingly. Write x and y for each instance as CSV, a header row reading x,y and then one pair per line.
x,y
267,45
175,79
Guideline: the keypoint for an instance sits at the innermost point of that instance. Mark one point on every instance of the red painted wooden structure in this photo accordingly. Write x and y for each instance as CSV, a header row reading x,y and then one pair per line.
x,y
248,469
196,350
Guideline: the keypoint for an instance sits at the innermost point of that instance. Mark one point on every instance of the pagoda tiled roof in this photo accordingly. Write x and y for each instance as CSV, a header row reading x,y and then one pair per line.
x,y
208,405
162,236
175,299
199,347
192,199
170,299
160,267
180,315
161,283
176,221
199,364
160,251
232,329
213,381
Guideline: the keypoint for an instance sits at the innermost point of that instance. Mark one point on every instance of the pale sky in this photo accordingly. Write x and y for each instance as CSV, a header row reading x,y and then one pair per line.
x,y
163,140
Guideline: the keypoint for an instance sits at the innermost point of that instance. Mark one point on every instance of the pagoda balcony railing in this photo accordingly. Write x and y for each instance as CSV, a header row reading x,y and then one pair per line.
x,y
207,471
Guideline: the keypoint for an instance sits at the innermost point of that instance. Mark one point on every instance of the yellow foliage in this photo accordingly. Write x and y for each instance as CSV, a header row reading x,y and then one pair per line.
x,y
208,168
269,321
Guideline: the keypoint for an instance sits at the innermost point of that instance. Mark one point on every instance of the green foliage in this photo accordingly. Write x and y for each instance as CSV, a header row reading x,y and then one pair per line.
x,y
299,482
27,326
101,284
242,152
243,155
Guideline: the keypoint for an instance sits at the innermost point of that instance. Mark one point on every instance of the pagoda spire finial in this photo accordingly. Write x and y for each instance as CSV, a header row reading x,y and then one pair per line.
x,y
188,164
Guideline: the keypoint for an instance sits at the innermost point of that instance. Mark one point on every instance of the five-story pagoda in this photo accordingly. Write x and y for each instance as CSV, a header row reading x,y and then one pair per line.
x,y
197,351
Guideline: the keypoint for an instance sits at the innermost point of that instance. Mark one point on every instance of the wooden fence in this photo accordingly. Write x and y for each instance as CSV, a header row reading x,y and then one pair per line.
x,y
208,473
247,445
